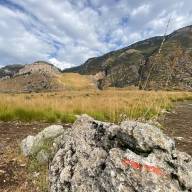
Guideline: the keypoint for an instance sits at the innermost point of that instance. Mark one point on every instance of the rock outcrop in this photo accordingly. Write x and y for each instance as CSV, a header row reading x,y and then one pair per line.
x,y
95,156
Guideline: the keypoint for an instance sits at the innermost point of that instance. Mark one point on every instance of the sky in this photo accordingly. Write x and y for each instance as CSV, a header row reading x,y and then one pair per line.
x,y
68,32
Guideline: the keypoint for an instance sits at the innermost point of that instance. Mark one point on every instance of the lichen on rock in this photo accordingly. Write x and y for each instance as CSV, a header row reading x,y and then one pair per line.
x,y
42,145
95,156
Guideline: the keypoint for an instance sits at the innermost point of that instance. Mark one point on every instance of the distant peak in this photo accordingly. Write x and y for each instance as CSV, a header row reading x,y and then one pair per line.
x,y
42,62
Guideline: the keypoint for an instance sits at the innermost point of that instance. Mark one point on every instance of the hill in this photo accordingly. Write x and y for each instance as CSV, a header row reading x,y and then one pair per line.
x,y
40,76
9,70
141,64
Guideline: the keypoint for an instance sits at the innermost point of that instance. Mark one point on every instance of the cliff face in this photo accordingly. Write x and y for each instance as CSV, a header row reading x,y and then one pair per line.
x,y
142,65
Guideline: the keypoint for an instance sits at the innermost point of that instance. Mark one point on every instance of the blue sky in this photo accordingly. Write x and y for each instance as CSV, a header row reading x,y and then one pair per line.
x,y
68,32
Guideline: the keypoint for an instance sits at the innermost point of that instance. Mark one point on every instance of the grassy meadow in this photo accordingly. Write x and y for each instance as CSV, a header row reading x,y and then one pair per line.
x,y
109,105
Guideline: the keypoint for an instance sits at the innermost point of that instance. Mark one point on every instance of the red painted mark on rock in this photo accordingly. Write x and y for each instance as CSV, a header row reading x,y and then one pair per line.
x,y
139,166
133,164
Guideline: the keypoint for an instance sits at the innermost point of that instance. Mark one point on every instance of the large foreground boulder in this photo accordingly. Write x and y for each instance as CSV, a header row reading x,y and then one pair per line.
x,y
95,156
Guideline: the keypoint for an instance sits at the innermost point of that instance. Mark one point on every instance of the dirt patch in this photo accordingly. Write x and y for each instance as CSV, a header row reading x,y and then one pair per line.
x,y
13,166
178,125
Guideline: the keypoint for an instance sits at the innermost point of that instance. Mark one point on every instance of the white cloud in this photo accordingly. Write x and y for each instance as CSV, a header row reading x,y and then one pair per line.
x,y
68,32
16,43
141,10
59,64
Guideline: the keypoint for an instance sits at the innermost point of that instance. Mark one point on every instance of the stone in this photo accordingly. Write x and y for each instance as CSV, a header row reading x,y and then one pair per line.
x,y
146,137
95,156
27,144
34,144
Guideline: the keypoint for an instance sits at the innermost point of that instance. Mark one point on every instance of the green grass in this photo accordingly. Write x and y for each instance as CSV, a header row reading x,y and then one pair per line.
x,y
28,115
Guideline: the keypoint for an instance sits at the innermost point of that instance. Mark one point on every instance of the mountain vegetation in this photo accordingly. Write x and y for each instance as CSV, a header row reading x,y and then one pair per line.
x,y
146,64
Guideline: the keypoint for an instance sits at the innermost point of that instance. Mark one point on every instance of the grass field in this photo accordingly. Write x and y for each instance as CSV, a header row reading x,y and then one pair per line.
x,y
110,105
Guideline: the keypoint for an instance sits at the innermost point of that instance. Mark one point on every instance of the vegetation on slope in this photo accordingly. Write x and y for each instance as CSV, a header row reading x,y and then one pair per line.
x,y
75,81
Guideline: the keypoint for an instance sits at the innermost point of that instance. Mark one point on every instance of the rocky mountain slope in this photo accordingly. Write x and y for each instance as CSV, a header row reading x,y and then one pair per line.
x,y
38,76
145,65
41,76
10,70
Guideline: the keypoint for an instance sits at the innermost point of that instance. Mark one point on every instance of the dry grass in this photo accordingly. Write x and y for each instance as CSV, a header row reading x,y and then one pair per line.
x,y
111,105
75,81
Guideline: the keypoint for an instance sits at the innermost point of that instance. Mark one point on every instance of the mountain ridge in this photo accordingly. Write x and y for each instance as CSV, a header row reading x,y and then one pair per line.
x,y
141,65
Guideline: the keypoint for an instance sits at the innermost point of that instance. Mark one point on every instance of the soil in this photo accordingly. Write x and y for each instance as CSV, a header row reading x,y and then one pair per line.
x,y
13,166
178,125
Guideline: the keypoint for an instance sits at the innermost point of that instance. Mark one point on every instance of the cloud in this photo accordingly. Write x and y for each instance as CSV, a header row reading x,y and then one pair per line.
x,y
68,32
141,10
58,63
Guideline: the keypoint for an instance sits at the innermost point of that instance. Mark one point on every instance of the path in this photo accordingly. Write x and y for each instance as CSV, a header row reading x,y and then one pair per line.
x,y
178,125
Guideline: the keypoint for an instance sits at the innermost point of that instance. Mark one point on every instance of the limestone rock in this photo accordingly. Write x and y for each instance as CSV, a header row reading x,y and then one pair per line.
x,y
27,144
33,144
95,156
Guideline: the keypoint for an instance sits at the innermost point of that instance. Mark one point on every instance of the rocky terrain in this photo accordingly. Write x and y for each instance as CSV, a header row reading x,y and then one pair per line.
x,y
9,71
38,76
129,155
41,76
145,65
132,156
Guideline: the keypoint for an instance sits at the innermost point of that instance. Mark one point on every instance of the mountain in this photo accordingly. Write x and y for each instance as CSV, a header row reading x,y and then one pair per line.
x,y
40,76
37,76
146,64
10,70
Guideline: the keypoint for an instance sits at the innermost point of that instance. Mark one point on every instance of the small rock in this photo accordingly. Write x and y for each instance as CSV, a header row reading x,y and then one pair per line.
x,y
33,144
179,138
23,165
27,145
36,174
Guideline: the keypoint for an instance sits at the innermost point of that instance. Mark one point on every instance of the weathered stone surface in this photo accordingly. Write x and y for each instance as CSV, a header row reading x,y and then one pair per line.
x,y
95,156
33,144
27,144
